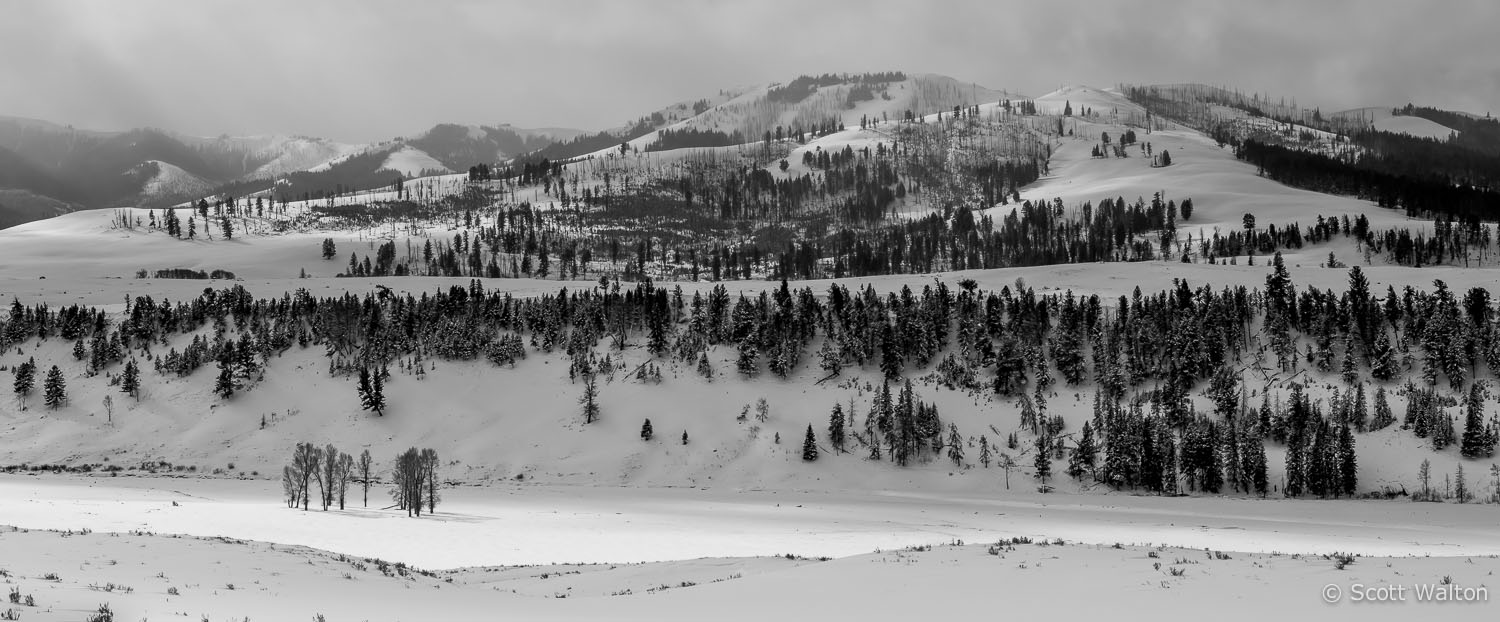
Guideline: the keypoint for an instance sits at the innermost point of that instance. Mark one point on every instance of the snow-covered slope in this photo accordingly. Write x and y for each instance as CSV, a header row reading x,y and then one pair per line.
x,y
1382,119
753,111
1106,103
1223,188
300,153
1415,126
412,161
149,576
170,181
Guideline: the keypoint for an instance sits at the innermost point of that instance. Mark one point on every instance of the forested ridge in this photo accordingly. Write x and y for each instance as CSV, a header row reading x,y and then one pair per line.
x,y
1146,356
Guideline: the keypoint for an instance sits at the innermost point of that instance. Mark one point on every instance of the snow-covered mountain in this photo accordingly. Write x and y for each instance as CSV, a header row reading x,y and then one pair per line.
x,y
154,167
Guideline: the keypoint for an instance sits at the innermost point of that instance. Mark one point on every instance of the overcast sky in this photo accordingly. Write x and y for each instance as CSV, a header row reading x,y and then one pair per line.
x,y
371,70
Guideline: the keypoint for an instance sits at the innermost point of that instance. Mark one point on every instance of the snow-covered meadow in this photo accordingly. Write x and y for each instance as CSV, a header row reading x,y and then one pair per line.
x,y
226,550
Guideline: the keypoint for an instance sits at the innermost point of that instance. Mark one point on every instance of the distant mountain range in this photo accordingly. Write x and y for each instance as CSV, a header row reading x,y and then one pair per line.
x,y
47,168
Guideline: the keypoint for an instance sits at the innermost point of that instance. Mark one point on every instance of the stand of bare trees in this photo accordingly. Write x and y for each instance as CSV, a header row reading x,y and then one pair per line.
x,y
414,480
414,477
330,467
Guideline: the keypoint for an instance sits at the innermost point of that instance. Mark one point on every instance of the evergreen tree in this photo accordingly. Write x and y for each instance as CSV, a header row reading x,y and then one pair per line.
x,y
25,379
1082,460
54,388
1442,431
810,446
985,457
646,432
684,437
590,399
1475,433
1359,414
1424,475
746,363
130,379
836,428
1257,466
366,389
1321,480
830,358
955,446
377,394
1297,442
1461,485
1042,461
1383,415
890,355
329,249
1348,464
224,384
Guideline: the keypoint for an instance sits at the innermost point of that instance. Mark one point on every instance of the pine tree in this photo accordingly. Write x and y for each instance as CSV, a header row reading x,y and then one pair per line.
x,y
366,389
224,384
1461,485
1321,480
1297,458
1349,371
810,446
985,457
1475,432
1424,475
1082,460
1043,459
830,358
746,363
590,400
377,395
955,446
25,379
130,380
646,432
1348,463
836,428
54,388
1442,431
1383,416
1359,415
684,437
1257,467
890,354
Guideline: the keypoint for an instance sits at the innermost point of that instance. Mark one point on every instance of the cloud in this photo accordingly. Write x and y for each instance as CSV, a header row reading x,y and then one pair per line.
x,y
370,70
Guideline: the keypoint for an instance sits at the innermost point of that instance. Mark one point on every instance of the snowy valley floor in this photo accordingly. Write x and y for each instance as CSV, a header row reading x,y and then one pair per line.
x,y
515,552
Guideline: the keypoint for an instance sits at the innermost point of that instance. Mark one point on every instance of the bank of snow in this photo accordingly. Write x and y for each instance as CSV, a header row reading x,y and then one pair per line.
x,y
144,576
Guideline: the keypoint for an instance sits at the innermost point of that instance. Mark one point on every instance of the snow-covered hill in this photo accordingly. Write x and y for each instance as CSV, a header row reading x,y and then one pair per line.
x,y
168,180
1106,103
412,162
1381,118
